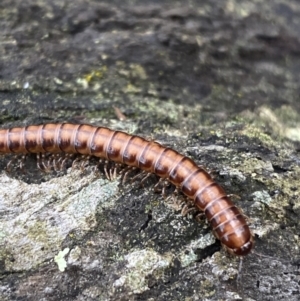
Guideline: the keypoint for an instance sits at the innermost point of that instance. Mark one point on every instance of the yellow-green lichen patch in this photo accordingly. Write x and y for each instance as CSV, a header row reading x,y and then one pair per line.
x,y
93,78
263,172
268,209
282,123
60,259
140,264
256,132
254,166
208,288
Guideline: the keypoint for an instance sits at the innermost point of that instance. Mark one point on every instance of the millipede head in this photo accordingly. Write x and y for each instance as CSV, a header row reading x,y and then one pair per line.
x,y
243,250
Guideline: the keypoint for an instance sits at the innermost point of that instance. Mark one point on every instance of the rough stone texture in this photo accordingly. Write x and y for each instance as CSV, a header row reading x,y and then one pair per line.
x,y
217,80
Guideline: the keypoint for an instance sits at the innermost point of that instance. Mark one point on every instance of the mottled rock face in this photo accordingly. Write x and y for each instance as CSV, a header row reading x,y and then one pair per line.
x,y
217,81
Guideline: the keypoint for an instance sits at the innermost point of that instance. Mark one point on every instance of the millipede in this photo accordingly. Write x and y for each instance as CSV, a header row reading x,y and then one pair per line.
x,y
227,221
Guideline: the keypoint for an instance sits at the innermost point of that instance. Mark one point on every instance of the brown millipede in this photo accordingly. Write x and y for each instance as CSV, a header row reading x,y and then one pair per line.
x,y
228,223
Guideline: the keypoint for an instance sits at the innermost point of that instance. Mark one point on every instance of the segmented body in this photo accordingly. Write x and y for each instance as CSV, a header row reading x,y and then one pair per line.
x,y
228,223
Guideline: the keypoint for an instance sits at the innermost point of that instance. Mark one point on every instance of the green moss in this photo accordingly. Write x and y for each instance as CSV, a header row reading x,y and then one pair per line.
x,y
38,232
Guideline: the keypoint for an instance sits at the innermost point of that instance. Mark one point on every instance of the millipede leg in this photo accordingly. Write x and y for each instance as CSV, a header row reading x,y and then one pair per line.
x,y
45,163
148,175
38,161
97,166
62,160
239,275
48,162
22,162
187,210
140,174
10,162
113,172
75,162
84,162
157,187
108,169
232,195
69,157
95,169
175,203
41,162
127,172
161,186
199,217
57,158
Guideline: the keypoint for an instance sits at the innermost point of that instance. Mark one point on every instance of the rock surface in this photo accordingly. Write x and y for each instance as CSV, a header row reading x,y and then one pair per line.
x,y
217,81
